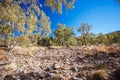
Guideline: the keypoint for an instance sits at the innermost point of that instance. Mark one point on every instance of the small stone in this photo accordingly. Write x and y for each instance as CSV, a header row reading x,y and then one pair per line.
x,y
67,59
57,66
9,77
74,69
33,68
75,78
117,63
49,74
19,70
67,62
81,79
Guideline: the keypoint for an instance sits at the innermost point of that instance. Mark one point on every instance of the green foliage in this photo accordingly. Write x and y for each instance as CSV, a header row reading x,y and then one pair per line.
x,y
44,41
63,34
84,29
91,39
114,37
14,18
45,24
101,38
101,66
24,41
56,5
11,14
71,42
108,38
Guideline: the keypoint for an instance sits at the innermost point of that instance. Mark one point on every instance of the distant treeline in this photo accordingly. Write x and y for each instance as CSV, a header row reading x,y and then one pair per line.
x,y
64,36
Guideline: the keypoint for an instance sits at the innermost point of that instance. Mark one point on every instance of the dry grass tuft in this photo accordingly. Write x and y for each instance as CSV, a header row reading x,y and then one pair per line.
x,y
100,75
2,57
105,49
2,51
3,54
11,66
25,51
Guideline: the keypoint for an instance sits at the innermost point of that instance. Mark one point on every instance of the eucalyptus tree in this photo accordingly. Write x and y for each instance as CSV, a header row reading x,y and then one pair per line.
x,y
27,17
11,16
63,34
30,12
55,5
84,29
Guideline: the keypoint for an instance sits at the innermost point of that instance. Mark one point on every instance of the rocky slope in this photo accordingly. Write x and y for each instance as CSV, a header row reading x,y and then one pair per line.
x,y
74,63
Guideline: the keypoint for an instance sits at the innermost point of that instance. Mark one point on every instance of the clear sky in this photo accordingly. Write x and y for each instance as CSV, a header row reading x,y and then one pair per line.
x,y
103,15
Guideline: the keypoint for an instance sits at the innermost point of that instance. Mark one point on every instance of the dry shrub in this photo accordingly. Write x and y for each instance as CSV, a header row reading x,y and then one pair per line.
x,y
98,48
105,49
109,49
25,51
2,51
92,47
102,48
3,54
87,54
100,75
17,50
11,66
2,57
113,50
116,73
55,47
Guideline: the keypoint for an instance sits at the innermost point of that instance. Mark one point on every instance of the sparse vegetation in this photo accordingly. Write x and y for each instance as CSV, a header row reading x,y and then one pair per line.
x,y
29,52
101,66
100,75
84,30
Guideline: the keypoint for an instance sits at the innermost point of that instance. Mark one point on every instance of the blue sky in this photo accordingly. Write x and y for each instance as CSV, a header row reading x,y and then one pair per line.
x,y
103,15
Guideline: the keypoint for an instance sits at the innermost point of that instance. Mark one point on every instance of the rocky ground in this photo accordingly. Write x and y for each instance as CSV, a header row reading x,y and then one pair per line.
x,y
74,63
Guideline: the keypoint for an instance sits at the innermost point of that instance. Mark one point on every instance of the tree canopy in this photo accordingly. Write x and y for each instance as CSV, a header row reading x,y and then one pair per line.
x,y
63,33
84,29
27,17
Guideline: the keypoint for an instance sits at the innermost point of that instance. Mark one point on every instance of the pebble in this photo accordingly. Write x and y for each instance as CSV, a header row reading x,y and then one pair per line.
x,y
60,64
75,78
74,69
49,74
57,66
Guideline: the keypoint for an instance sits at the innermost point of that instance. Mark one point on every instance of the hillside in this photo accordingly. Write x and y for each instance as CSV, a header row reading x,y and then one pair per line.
x,y
57,63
